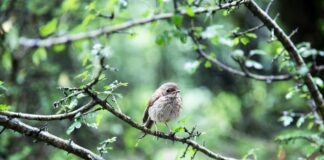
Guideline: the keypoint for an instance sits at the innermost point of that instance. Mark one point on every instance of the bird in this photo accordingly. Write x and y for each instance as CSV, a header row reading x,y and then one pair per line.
x,y
164,105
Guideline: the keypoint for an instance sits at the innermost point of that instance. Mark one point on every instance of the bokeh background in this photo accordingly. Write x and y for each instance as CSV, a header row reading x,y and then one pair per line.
x,y
237,115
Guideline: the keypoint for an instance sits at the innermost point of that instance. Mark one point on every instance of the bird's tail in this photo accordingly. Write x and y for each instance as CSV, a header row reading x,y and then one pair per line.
x,y
148,124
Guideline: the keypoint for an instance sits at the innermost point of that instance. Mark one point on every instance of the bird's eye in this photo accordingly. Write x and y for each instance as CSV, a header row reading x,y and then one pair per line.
x,y
169,90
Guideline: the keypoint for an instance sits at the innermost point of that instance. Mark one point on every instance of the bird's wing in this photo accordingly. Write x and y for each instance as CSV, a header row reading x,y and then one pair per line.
x,y
154,97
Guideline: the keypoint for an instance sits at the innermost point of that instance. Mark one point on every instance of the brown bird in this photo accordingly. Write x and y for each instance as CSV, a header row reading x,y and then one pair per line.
x,y
164,105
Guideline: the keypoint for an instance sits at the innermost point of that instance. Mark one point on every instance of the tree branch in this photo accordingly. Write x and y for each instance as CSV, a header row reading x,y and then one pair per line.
x,y
185,140
27,116
234,71
293,52
112,29
48,138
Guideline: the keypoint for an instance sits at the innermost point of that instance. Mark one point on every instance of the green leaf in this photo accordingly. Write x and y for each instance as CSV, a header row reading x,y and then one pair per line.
x,y
85,59
99,117
59,47
212,55
74,125
163,38
12,38
84,75
111,4
6,61
177,20
39,55
190,12
70,5
214,40
244,40
87,20
4,107
236,41
178,129
251,35
207,64
49,28
228,11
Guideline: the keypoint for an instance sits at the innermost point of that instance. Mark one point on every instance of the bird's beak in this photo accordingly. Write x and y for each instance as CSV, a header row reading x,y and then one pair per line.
x,y
177,91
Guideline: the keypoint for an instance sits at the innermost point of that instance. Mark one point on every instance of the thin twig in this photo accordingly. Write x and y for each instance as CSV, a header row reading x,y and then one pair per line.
x,y
239,34
269,6
293,33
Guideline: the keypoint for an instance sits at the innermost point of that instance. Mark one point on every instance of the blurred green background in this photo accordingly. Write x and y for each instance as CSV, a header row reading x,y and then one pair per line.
x,y
237,115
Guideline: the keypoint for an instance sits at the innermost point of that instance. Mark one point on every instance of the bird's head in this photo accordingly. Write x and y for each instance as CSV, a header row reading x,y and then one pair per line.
x,y
169,88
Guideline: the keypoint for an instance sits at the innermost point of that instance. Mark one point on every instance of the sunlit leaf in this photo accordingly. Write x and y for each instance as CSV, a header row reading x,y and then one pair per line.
x,y
6,61
70,5
190,12
207,64
99,117
251,35
59,47
178,129
49,28
4,107
39,55
244,40
177,20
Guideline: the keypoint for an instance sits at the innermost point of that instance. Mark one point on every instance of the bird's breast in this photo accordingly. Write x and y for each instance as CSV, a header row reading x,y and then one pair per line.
x,y
165,109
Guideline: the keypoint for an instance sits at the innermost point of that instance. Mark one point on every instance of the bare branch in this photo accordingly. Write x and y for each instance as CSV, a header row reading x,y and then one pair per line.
x,y
48,138
112,29
293,52
82,109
